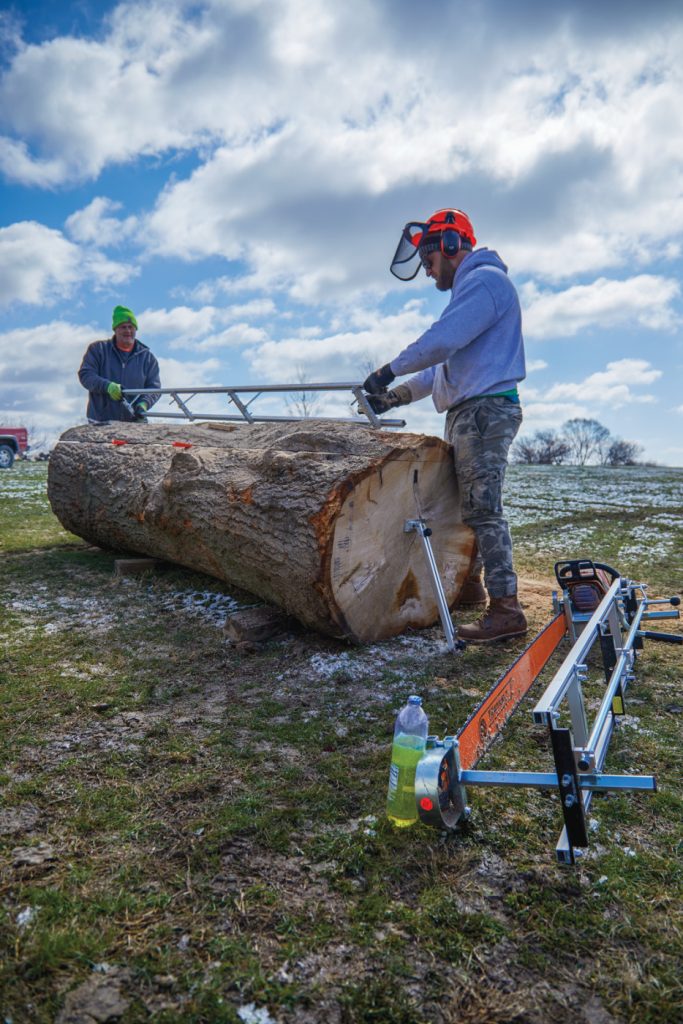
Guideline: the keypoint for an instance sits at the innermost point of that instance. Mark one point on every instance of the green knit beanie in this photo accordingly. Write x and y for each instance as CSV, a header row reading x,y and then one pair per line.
x,y
121,315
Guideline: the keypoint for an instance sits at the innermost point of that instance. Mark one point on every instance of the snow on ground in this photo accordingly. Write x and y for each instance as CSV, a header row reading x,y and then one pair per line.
x,y
207,605
66,612
26,482
63,612
535,494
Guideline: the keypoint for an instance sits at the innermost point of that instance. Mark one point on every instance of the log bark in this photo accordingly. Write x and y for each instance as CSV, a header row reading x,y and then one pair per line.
x,y
308,516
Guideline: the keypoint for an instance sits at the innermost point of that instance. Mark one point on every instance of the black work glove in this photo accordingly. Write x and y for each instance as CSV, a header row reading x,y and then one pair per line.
x,y
139,410
390,399
379,380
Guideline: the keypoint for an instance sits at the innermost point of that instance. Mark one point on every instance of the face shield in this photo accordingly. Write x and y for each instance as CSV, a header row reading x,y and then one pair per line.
x,y
406,261
420,238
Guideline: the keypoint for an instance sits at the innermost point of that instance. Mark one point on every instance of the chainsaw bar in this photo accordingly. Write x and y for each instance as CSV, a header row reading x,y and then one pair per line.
x,y
439,794
487,720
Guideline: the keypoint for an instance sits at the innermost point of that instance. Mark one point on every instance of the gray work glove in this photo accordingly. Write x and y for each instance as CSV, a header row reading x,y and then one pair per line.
x,y
389,399
379,380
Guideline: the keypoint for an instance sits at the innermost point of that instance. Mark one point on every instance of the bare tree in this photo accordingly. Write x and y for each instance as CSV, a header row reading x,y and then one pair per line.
x,y
544,448
622,453
302,403
367,366
586,439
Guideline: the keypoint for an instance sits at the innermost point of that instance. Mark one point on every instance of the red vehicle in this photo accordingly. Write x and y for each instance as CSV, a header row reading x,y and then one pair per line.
x,y
13,442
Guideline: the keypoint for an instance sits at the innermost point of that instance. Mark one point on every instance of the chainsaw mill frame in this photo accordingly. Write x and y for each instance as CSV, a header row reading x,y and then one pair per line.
x,y
245,416
611,619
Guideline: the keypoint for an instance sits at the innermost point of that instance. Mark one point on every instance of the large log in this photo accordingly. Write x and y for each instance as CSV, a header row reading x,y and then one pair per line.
x,y
308,515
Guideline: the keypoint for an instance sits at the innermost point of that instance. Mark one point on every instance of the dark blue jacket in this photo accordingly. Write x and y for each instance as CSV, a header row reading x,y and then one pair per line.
x,y
102,363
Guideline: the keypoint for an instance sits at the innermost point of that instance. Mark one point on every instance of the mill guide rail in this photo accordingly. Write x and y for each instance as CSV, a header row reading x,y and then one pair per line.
x,y
599,609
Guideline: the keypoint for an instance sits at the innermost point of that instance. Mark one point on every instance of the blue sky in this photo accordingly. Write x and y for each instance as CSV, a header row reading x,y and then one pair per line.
x,y
238,173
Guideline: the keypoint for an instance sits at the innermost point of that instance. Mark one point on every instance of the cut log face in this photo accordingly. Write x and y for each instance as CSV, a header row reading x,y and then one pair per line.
x,y
308,516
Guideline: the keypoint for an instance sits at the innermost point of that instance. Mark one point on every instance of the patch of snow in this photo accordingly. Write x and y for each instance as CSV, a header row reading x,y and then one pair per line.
x,y
78,612
631,722
205,604
251,1014
26,916
370,820
327,665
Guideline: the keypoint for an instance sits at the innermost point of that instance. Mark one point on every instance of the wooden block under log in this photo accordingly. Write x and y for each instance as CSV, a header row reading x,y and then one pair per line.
x,y
135,566
255,624
308,516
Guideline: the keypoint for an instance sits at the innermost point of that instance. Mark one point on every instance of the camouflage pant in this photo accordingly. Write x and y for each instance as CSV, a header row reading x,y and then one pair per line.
x,y
481,431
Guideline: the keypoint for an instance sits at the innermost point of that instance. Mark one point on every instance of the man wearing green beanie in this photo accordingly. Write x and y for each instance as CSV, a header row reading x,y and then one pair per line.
x,y
120,363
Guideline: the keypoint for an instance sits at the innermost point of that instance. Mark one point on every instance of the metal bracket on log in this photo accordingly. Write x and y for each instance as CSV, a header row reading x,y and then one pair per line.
x,y
610,619
131,396
420,526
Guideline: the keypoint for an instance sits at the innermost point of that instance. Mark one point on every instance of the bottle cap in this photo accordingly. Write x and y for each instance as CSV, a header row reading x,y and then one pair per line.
x,y
414,699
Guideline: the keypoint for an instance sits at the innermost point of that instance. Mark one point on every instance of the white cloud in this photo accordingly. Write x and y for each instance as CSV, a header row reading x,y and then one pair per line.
x,y
90,103
597,395
210,327
34,262
317,128
94,224
39,265
180,322
235,336
177,373
551,415
50,353
645,300
587,109
41,387
534,365
344,356
17,164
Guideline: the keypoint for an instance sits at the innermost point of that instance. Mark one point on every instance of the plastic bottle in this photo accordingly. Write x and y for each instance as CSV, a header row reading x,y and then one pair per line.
x,y
410,735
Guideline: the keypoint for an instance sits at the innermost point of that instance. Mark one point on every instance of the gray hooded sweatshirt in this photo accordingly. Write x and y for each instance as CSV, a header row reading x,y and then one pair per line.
x,y
476,346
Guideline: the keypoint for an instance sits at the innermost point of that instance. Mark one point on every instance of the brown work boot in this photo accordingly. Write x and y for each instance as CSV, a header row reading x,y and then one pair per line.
x,y
502,619
472,593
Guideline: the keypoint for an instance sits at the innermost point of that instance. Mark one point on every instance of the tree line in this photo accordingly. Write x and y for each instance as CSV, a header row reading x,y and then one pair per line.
x,y
578,442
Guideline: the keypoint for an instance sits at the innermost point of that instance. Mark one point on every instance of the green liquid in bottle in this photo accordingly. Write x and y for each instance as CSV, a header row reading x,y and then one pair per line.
x,y
405,754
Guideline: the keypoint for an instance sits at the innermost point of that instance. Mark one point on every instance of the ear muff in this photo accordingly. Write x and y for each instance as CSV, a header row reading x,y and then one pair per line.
x,y
451,243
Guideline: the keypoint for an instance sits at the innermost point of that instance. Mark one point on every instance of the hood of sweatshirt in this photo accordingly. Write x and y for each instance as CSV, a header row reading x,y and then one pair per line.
x,y
479,258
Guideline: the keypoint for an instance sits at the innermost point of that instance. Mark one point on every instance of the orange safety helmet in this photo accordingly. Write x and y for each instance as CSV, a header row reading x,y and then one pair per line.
x,y
449,231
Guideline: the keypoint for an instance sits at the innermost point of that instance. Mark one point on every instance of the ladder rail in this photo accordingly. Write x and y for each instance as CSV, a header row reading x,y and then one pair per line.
x,y
366,416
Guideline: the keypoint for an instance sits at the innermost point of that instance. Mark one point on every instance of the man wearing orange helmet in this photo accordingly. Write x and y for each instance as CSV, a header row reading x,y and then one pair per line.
x,y
470,361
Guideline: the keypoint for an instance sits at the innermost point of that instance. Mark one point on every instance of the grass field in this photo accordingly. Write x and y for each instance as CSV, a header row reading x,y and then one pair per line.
x,y
194,832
